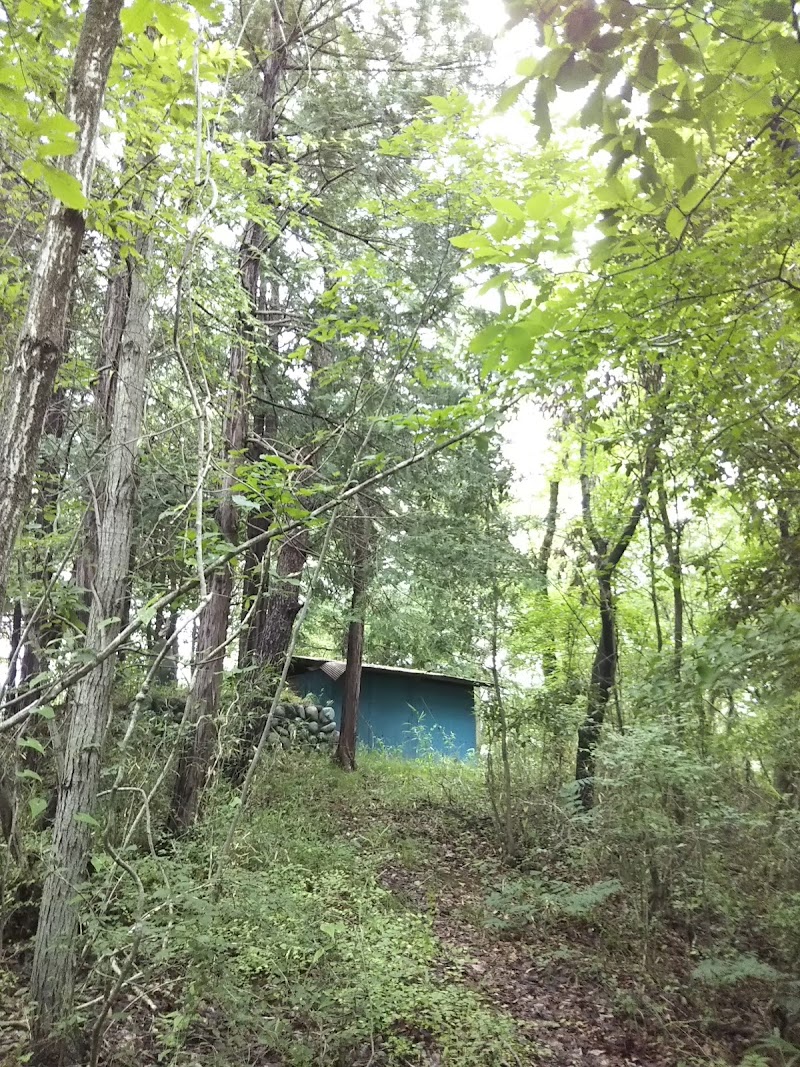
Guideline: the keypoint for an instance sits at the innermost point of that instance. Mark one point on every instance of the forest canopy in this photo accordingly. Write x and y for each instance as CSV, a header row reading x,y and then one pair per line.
x,y
458,341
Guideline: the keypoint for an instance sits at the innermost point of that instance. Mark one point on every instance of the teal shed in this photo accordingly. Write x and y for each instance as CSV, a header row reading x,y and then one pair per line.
x,y
404,710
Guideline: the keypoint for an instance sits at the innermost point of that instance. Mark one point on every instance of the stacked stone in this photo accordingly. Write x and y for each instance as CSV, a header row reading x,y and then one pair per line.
x,y
304,726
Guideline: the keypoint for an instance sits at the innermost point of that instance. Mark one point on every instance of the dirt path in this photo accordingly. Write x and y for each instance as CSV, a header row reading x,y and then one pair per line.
x,y
565,1024
542,980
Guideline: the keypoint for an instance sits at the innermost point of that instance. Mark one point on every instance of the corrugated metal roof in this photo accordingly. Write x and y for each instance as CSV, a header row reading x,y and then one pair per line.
x,y
335,668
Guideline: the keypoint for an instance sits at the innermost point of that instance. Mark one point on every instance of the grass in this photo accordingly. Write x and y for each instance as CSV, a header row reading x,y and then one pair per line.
x,y
306,958
371,920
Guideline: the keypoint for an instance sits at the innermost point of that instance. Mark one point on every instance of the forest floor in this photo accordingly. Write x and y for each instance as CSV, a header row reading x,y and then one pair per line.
x,y
573,1005
372,920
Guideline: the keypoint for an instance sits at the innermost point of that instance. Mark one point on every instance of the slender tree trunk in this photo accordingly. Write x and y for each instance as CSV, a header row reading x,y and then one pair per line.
x,y
351,697
274,617
601,684
45,628
194,762
283,601
549,660
672,543
54,958
507,813
362,560
28,381
203,701
604,667
264,428
651,562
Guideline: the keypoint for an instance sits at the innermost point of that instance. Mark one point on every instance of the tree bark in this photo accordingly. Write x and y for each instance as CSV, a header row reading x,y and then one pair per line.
x,y
29,378
549,661
601,684
672,544
604,666
651,563
194,761
54,958
203,701
351,697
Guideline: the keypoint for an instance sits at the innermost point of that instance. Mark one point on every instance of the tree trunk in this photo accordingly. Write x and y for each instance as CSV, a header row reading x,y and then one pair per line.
x,y
283,601
54,958
362,558
549,661
672,543
194,761
604,667
651,564
604,673
29,378
203,700
351,697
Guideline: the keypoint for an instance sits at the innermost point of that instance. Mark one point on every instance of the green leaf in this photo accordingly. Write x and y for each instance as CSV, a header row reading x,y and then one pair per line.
x,y
86,819
760,103
574,74
440,104
685,164
13,103
137,17
688,203
172,20
541,112
27,773
485,338
670,144
602,251
37,805
519,348
503,205
473,239
675,223
45,711
56,125
510,96
537,207
64,187
787,54
684,55
244,502
332,929
594,108
31,742
647,67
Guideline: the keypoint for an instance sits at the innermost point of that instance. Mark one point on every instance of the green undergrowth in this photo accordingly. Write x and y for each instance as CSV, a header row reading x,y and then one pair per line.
x,y
302,958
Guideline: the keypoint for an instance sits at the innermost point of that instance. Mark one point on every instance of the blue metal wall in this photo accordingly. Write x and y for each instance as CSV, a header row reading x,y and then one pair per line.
x,y
405,713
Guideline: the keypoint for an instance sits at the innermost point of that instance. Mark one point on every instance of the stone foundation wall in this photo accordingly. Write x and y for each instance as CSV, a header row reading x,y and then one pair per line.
x,y
305,726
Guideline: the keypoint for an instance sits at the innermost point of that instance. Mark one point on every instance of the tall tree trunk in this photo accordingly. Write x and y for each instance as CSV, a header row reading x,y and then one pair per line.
x,y
672,543
549,661
362,560
54,958
351,696
601,684
30,377
194,760
203,701
651,565
604,667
